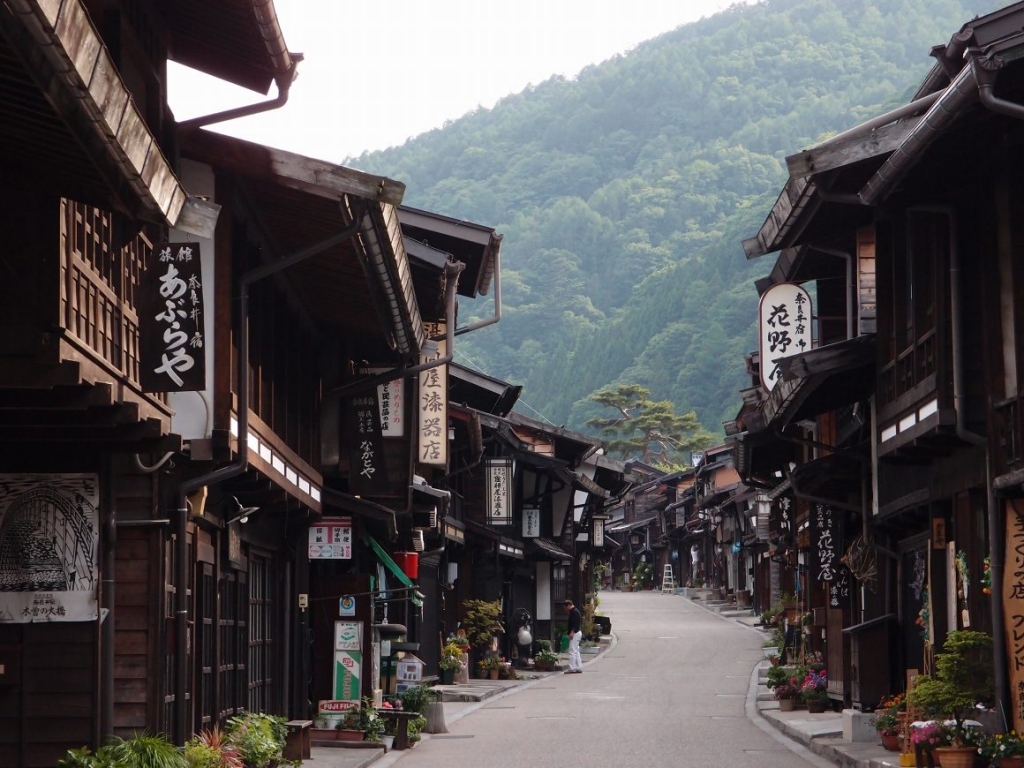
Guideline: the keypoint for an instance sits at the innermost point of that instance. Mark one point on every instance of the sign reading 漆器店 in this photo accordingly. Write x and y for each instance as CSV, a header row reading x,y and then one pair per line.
x,y
784,321
432,404
170,307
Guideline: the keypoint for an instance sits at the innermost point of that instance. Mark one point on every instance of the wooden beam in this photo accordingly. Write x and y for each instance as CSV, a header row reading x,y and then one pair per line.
x,y
831,155
58,398
288,169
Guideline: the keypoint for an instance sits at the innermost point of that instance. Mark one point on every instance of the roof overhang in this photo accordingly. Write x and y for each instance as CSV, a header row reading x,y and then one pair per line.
x,y
68,122
543,549
239,41
474,245
361,288
821,380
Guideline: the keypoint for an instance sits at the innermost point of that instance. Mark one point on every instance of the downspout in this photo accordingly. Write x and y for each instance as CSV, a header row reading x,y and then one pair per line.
x,y
240,465
452,272
107,622
960,93
283,62
986,70
497,302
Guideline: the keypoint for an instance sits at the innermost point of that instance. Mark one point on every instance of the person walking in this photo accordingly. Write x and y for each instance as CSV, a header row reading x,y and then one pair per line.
x,y
575,636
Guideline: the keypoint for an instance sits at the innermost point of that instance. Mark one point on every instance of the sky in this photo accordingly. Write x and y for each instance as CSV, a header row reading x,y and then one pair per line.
x,y
376,74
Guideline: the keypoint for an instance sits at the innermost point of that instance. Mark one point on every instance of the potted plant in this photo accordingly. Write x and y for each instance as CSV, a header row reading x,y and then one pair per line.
x,y
787,694
888,721
814,691
963,677
481,621
451,662
364,720
140,751
489,666
1004,750
545,661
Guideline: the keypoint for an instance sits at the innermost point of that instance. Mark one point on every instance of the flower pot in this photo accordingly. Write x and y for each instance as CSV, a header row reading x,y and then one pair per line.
x,y
890,741
815,706
447,676
955,757
787,705
389,742
492,674
1011,762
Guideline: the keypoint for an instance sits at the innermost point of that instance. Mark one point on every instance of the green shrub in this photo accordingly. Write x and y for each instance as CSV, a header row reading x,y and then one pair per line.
x,y
259,738
416,697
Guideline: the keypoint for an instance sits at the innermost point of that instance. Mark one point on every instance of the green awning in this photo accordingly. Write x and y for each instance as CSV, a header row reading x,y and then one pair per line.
x,y
385,558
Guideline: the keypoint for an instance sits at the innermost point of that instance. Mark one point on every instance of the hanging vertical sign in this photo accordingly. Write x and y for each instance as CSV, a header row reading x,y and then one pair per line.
x,y
366,469
432,405
839,588
391,399
1013,610
531,522
823,543
598,531
170,306
499,491
784,321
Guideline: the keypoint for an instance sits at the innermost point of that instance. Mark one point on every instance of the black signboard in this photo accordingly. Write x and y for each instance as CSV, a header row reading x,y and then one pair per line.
x,y
366,474
825,552
170,307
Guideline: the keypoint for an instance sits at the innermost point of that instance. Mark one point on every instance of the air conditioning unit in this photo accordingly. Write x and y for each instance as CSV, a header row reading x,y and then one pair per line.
x,y
418,541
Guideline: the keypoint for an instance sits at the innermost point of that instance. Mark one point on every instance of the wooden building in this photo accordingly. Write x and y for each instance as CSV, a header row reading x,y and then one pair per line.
x,y
904,422
159,487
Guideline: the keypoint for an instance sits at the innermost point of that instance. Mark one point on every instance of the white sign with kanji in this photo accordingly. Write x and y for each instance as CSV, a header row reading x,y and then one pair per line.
x,y
785,327
331,539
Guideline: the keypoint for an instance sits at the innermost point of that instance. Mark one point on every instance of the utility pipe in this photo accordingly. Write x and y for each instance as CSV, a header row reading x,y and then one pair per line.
x,y
452,271
986,71
237,467
497,302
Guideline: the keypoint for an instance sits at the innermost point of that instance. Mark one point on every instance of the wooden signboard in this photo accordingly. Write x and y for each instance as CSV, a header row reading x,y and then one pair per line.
x,y
1013,610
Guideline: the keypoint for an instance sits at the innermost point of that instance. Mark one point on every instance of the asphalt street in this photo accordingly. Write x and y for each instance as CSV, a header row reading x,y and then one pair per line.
x,y
672,691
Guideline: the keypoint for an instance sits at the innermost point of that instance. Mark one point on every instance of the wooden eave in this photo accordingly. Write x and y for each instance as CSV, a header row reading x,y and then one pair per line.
x,y
475,245
301,201
239,41
68,124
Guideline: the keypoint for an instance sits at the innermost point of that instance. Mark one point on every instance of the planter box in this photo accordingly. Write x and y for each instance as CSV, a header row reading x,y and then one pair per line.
x,y
335,734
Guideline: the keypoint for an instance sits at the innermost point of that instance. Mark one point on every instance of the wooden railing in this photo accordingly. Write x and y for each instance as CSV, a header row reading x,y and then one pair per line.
x,y
1009,439
98,281
910,368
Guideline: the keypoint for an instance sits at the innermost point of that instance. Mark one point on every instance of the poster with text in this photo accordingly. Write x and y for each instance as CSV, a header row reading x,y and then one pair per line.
x,y
49,540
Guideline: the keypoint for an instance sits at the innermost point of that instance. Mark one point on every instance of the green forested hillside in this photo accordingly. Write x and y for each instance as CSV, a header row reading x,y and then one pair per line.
x,y
624,193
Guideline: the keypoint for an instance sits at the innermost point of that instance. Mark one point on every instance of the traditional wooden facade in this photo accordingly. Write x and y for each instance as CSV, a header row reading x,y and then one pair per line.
x,y
903,424
155,563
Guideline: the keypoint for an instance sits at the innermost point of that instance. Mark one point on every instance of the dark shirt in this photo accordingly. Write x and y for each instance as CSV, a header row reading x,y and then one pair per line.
x,y
575,620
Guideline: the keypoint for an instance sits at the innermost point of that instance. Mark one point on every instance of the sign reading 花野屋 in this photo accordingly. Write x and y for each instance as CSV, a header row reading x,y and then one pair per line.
x,y
432,406
170,306
824,544
784,321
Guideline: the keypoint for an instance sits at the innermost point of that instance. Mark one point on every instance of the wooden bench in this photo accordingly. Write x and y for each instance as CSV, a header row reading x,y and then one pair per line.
x,y
402,726
298,744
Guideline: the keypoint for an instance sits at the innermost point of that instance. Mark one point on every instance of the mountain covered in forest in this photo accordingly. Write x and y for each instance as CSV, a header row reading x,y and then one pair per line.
x,y
623,193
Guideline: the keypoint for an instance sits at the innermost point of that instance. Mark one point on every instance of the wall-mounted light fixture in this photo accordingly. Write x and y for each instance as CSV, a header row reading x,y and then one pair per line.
x,y
240,514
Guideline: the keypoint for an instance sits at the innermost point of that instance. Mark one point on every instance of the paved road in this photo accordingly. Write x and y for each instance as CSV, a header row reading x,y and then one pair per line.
x,y
672,691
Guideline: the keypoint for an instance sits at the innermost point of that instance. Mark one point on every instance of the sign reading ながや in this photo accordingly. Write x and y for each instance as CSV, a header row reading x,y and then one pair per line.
x,y
170,307
785,328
